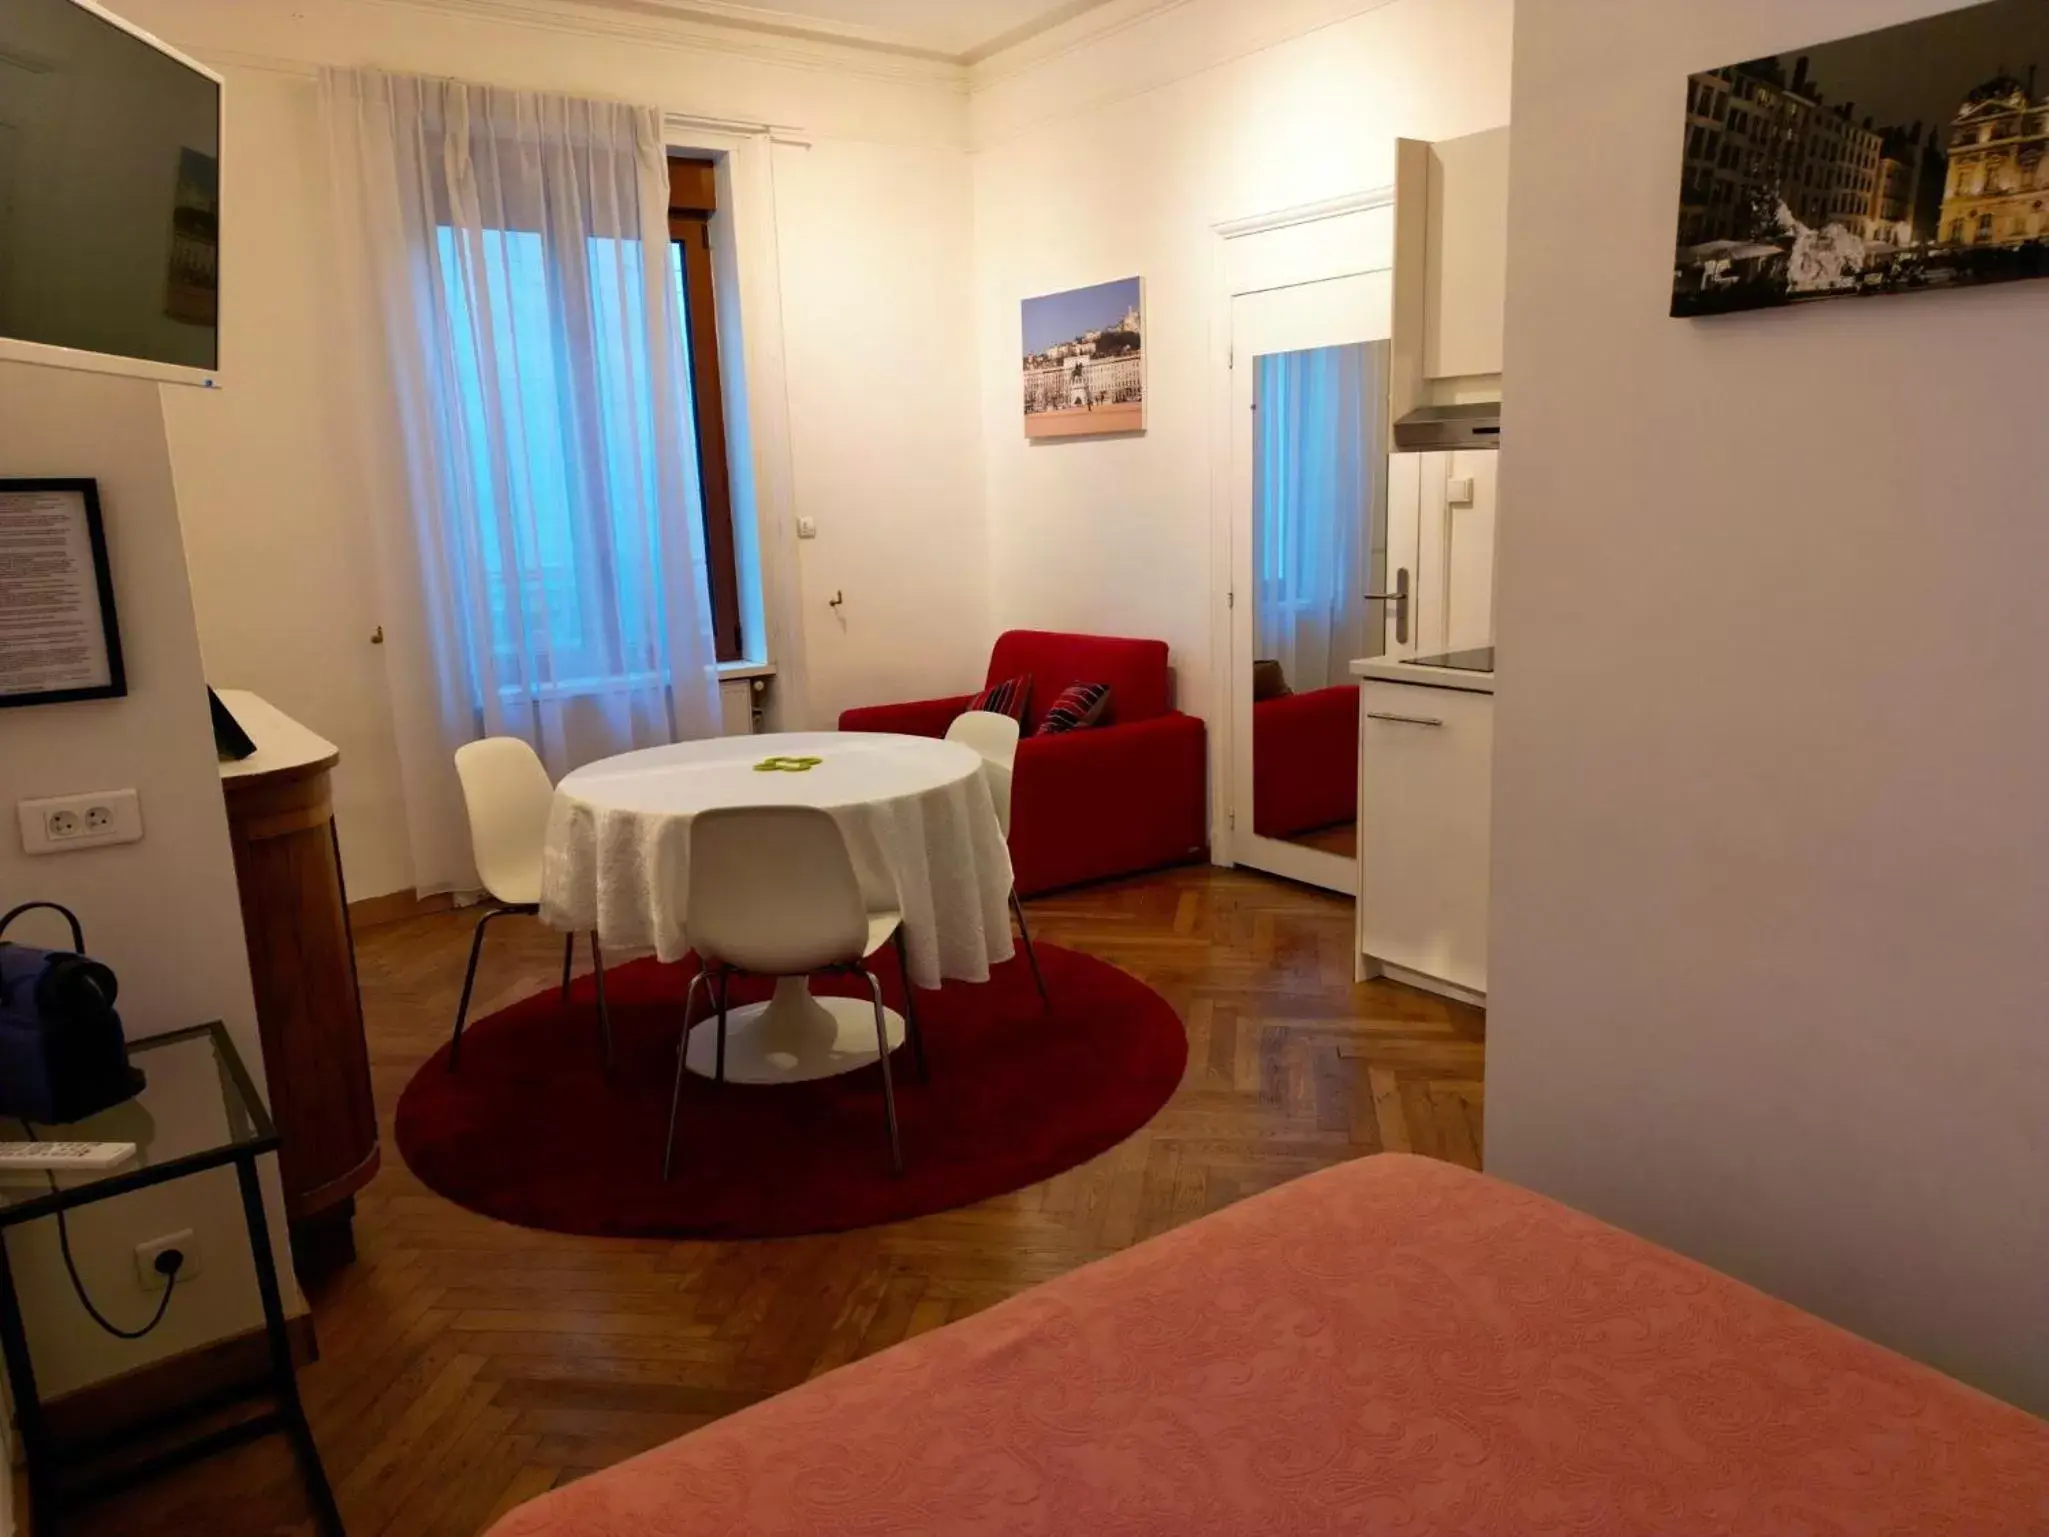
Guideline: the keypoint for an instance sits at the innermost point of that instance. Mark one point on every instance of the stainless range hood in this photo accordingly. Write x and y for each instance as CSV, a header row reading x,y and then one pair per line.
x,y
1430,429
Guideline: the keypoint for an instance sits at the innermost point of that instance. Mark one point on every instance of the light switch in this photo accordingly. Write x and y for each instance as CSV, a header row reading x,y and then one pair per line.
x,y
1459,490
807,528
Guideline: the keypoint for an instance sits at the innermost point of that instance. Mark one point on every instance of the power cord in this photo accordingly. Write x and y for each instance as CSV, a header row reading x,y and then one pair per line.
x,y
168,1264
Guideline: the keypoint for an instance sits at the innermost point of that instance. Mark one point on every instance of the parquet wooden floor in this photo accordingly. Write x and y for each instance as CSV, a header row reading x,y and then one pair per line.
x,y
466,1365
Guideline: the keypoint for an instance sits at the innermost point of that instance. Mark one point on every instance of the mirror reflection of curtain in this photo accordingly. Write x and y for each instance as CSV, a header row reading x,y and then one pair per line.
x,y
1319,495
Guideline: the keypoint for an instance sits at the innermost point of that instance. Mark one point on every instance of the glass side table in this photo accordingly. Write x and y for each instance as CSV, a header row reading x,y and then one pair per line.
x,y
199,1112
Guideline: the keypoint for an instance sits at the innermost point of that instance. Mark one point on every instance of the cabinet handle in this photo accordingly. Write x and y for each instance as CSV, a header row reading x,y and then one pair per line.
x,y
1404,720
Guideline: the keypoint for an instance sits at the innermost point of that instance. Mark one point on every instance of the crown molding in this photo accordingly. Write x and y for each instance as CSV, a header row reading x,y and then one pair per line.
x,y
1077,27
1008,114
714,26
767,20
1030,31
1305,213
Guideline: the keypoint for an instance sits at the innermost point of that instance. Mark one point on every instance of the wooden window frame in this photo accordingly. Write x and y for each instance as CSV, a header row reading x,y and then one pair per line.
x,y
693,200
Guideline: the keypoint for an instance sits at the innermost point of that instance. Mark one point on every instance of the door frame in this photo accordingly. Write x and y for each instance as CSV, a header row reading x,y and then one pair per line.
x,y
1310,243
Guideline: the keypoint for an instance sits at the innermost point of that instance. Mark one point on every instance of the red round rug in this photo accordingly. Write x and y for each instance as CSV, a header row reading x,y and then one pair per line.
x,y
530,1129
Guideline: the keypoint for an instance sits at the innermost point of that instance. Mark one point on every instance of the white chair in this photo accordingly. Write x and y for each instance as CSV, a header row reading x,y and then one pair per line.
x,y
773,893
507,794
995,738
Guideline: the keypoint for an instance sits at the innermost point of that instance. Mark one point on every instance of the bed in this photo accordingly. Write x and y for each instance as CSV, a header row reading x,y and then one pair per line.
x,y
1394,1346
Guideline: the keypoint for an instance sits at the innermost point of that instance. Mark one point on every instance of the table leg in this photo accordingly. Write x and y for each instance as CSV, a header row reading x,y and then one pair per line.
x,y
28,1407
284,1377
795,1036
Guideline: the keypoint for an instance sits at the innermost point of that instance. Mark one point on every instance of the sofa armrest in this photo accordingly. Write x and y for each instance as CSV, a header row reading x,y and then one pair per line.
x,y
1109,800
923,717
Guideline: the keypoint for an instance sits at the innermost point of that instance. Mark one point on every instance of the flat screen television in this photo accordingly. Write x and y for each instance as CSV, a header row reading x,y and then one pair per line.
x,y
110,154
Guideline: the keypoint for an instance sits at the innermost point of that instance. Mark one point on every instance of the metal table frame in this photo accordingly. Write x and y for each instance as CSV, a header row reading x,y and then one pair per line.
x,y
49,1499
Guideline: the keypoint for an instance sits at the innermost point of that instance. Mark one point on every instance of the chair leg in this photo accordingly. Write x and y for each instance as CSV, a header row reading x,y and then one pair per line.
x,y
604,1009
896,1149
682,1067
1031,955
917,1036
568,961
725,981
469,981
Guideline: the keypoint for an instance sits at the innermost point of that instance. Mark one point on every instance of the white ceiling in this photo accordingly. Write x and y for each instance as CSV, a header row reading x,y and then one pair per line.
x,y
957,29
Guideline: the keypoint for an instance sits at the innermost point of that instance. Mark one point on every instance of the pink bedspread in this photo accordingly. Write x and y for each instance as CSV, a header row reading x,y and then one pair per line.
x,y
1390,1347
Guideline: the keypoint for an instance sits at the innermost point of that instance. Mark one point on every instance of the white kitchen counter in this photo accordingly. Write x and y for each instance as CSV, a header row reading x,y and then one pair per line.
x,y
1388,670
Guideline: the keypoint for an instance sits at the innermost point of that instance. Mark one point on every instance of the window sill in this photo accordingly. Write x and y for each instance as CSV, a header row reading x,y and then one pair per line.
x,y
589,688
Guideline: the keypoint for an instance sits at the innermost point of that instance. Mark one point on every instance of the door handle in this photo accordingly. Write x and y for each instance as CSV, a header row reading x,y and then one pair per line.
x,y
1403,720
1400,599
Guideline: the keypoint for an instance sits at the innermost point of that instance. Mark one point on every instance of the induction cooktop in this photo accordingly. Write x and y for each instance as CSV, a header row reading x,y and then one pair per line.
x,y
1479,659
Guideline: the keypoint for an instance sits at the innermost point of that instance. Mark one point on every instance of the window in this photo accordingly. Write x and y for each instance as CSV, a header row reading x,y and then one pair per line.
x,y
693,200
542,561
509,378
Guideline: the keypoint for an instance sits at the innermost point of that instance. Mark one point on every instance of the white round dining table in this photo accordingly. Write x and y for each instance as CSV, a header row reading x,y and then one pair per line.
x,y
919,821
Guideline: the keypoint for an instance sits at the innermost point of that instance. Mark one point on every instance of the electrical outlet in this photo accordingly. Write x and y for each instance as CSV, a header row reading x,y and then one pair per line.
x,y
63,823
148,1277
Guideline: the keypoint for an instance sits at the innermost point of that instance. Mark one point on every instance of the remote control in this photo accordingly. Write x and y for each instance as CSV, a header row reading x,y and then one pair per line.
x,y
80,1157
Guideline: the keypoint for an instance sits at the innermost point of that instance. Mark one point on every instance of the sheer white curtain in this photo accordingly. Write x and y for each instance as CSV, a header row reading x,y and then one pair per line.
x,y
543,568
1319,493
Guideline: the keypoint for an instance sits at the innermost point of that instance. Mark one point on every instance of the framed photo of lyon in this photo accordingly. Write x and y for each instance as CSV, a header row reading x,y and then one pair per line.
x,y
1084,361
59,639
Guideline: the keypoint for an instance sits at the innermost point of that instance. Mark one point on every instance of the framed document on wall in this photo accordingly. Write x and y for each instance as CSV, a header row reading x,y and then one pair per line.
x,y
58,636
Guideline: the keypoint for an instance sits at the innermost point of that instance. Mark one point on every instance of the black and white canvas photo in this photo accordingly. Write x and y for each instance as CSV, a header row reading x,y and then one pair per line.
x,y
1911,158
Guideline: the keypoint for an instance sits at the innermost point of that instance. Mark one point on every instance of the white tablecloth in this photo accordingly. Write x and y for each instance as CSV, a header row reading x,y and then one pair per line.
x,y
916,813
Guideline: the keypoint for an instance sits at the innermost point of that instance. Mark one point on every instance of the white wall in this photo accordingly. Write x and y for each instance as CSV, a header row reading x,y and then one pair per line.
x,y
885,421
163,912
874,249
1114,155
1771,838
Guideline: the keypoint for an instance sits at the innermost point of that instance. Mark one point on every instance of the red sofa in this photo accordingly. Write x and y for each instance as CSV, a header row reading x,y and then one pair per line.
x,y
1305,761
1127,794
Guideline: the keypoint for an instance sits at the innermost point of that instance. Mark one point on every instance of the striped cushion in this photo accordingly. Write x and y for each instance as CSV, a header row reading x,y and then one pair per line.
x,y
1007,698
1079,705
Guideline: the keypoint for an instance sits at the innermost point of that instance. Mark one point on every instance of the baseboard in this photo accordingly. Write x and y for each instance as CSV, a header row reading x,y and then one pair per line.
x,y
1370,968
163,1387
396,907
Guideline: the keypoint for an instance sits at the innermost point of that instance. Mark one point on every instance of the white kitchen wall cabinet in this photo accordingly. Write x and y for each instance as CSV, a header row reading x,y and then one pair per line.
x,y
1451,269
1465,273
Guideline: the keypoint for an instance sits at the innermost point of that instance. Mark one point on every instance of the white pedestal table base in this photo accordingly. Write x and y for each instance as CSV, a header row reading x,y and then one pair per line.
x,y
794,1037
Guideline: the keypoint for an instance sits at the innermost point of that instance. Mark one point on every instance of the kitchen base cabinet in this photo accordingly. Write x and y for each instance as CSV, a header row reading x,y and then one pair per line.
x,y
1425,771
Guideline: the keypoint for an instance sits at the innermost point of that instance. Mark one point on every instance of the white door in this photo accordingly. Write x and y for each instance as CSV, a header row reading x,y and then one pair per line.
x,y
1309,541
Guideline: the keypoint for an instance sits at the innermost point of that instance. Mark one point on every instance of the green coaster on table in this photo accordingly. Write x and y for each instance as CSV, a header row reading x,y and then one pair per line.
x,y
787,765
